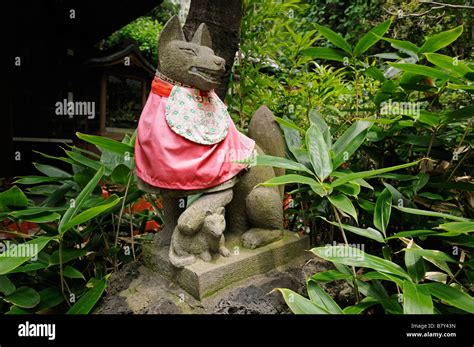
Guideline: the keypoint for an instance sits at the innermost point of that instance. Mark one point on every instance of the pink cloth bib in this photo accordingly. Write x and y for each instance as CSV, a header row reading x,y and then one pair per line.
x,y
165,159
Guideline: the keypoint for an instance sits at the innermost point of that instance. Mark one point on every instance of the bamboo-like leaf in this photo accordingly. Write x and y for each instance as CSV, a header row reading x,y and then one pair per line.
x,y
336,39
10,261
431,214
368,174
451,296
441,40
87,301
355,257
368,232
414,263
416,299
344,204
371,37
382,211
105,143
319,297
80,199
299,304
318,152
324,53
349,142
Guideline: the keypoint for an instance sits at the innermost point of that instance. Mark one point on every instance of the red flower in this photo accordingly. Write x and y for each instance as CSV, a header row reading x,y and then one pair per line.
x,y
141,205
152,225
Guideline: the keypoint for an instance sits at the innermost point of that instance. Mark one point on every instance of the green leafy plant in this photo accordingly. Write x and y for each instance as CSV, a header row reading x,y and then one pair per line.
x,y
77,227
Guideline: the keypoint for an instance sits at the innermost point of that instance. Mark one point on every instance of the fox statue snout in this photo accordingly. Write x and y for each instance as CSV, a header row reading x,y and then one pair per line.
x,y
192,63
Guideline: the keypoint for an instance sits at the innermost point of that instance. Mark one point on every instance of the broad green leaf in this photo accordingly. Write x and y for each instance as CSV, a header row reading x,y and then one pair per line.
x,y
371,38
324,53
355,257
87,301
88,215
24,297
364,304
293,141
9,260
430,253
431,214
93,164
42,217
13,199
451,296
426,71
68,255
321,298
458,227
6,286
71,272
316,119
349,142
290,178
358,181
51,171
105,143
350,188
464,113
416,299
368,174
37,179
318,152
16,310
30,267
375,275
299,304
436,276
404,46
330,275
289,124
382,211
368,232
120,174
50,297
414,263
448,63
441,40
411,233
366,205
336,39
375,73
268,160
344,204
80,199
45,189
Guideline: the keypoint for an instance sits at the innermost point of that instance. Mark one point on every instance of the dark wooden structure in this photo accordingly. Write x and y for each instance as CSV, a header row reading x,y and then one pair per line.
x,y
52,57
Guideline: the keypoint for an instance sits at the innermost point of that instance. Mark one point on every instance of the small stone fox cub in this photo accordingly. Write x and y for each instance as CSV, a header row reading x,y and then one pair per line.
x,y
185,248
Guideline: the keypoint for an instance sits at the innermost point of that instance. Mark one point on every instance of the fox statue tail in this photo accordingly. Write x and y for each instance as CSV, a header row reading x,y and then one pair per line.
x,y
266,133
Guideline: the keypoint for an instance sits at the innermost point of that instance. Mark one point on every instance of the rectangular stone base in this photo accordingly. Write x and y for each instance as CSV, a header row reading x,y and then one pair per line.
x,y
203,279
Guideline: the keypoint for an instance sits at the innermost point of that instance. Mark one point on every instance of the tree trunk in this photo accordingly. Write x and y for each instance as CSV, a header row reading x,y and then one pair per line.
x,y
223,19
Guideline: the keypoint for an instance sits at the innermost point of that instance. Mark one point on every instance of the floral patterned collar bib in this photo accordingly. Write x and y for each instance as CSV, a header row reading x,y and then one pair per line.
x,y
199,118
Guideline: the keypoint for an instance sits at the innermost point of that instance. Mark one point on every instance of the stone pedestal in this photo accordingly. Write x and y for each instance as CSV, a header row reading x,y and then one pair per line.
x,y
203,279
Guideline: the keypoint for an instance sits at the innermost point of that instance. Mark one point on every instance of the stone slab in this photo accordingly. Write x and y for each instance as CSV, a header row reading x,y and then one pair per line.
x,y
203,279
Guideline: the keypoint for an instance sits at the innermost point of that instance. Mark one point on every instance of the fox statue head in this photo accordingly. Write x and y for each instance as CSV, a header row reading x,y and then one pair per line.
x,y
192,63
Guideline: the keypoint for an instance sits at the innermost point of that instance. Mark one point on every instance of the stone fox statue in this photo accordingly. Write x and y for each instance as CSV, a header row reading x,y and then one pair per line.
x,y
187,144
184,248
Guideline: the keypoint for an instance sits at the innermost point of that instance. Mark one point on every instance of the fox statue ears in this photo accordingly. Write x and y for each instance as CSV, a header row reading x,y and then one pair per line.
x,y
202,36
172,31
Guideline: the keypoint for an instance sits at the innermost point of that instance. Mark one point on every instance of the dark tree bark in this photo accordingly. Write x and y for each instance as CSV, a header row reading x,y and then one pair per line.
x,y
223,18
